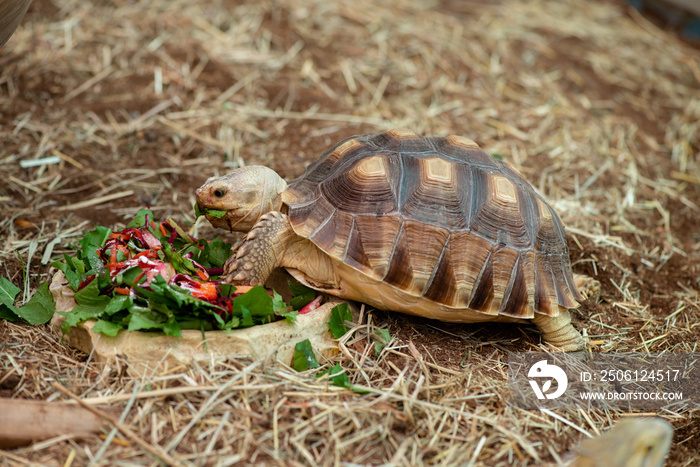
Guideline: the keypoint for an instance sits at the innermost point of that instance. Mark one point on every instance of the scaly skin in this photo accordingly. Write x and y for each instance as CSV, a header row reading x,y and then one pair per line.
x,y
559,332
262,250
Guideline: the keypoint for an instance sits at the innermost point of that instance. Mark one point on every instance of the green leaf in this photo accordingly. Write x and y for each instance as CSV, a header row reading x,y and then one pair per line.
x,y
77,315
278,304
232,323
290,316
226,290
200,211
107,328
299,289
172,328
129,276
90,305
257,301
339,314
300,301
117,304
280,308
91,242
89,297
215,213
145,318
95,238
77,265
302,295
381,338
7,313
217,252
69,271
339,378
73,268
246,318
40,308
8,293
304,357
495,155
140,218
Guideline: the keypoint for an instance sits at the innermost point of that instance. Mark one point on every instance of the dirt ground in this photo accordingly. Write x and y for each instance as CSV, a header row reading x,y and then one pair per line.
x,y
597,105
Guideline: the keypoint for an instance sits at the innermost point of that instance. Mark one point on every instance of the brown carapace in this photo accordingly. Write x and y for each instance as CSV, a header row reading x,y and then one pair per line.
x,y
433,227
438,218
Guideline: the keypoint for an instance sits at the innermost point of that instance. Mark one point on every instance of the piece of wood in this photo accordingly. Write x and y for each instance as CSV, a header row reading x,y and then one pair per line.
x,y
25,421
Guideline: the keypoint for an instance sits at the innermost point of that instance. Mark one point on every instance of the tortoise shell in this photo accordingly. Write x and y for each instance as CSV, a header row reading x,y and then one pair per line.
x,y
436,218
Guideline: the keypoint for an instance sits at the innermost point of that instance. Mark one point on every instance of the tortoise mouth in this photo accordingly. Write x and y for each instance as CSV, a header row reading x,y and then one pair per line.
x,y
235,220
203,210
220,222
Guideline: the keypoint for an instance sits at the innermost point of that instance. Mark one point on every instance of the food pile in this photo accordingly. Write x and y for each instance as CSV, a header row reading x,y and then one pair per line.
x,y
154,276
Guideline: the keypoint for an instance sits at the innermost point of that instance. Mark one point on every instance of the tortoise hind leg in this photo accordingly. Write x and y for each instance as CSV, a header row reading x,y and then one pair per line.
x,y
559,332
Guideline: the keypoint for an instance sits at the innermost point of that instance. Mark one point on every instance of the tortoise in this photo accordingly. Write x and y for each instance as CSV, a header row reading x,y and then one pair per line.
x,y
429,226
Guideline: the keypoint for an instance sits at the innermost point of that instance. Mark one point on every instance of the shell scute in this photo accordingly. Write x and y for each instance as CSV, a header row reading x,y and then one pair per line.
x,y
496,210
377,236
463,150
433,191
419,246
505,261
516,301
332,233
368,185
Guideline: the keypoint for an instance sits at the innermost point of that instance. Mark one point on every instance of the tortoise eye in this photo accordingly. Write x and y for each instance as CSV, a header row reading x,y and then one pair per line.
x,y
219,193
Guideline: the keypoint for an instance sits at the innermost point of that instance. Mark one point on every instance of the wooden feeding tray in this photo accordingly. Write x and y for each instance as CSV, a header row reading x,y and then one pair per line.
x,y
149,350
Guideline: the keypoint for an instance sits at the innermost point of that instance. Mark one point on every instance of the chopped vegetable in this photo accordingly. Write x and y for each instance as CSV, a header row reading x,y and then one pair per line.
x,y
302,295
154,276
381,338
309,307
339,377
304,357
339,315
200,211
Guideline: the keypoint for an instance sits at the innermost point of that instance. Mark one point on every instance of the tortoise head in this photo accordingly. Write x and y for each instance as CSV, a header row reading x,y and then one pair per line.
x,y
245,194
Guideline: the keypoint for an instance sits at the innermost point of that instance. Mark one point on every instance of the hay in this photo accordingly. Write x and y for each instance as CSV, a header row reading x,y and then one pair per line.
x,y
142,101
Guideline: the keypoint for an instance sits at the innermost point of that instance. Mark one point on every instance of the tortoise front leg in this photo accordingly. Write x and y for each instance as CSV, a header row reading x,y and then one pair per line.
x,y
260,252
559,332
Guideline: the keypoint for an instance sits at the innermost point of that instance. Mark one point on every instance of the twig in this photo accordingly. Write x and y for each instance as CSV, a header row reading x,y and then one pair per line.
x,y
155,450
